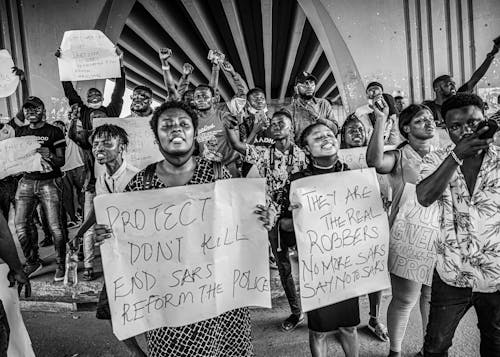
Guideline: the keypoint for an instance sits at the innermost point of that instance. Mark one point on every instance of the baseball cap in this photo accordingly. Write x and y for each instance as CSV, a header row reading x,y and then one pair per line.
x,y
374,84
35,101
304,76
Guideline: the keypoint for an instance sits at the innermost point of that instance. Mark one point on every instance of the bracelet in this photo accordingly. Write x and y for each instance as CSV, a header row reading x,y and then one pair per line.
x,y
165,68
457,160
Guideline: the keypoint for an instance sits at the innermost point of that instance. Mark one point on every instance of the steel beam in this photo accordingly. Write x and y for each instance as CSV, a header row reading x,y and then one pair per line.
x,y
297,28
313,59
267,37
201,20
138,79
231,11
181,35
140,68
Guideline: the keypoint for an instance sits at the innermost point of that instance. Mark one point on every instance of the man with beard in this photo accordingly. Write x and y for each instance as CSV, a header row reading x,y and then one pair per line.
x,y
43,187
212,137
142,98
445,87
307,109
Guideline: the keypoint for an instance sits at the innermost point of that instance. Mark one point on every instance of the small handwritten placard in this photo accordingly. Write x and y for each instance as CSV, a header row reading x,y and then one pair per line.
x,y
18,155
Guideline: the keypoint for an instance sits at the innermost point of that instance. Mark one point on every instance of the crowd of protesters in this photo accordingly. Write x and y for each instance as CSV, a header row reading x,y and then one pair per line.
x,y
203,139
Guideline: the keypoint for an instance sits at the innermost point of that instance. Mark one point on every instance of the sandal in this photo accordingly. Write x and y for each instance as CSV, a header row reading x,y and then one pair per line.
x,y
88,274
292,322
379,330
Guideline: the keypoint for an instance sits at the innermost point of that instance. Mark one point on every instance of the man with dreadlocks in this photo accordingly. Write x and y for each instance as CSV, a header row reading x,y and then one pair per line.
x,y
108,145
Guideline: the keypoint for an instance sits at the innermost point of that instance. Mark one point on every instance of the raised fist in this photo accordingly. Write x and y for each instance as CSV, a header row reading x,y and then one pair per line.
x,y
165,54
187,69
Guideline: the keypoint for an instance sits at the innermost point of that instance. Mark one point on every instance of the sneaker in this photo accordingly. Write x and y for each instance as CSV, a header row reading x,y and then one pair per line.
x,y
46,242
59,275
31,269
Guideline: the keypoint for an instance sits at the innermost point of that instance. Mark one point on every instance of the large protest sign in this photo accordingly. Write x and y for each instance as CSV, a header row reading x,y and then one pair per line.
x,y
342,237
412,254
18,155
355,158
183,254
142,149
8,80
87,55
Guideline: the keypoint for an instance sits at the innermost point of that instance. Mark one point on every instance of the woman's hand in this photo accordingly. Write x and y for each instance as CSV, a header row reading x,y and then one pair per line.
x,y
102,232
267,215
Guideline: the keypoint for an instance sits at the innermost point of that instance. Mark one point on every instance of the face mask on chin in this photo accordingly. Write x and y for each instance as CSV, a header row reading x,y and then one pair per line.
x,y
94,105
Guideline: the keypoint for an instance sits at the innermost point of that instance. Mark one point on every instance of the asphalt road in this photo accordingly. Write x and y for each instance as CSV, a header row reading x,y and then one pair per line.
x,y
79,334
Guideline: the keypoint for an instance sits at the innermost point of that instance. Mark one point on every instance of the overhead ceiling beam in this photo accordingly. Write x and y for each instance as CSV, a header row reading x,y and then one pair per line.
x,y
336,97
267,37
136,47
233,19
201,21
330,90
155,41
322,77
313,59
297,28
181,35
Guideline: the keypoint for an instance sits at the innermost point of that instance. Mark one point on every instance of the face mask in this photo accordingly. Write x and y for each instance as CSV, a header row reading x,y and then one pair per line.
x,y
94,105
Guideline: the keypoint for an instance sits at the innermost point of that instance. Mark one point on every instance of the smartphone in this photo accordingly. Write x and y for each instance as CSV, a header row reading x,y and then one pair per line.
x,y
492,129
379,103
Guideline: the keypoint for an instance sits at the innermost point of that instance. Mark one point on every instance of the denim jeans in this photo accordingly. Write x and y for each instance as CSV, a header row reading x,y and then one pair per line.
x,y
8,186
285,271
448,305
49,194
73,179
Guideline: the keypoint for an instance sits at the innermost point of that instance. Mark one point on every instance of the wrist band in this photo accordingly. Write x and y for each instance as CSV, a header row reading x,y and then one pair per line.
x,y
457,160
165,68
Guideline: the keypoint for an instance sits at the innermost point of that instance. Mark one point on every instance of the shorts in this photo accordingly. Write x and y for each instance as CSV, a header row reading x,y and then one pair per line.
x,y
331,317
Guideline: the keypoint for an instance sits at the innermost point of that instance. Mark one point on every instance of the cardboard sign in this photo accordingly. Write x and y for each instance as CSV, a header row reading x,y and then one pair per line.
x,y
183,254
87,55
342,237
8,80
142,149
18,155
355,158
412,253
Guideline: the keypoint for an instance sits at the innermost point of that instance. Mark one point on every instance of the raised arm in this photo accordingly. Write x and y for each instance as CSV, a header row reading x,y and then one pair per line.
x,y
468,86
116,103
233,134
383,162
69,90
238,81
183,85
165,54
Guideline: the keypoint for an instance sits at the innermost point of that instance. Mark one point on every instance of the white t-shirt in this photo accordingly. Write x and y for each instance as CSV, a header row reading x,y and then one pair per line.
x,y
117,182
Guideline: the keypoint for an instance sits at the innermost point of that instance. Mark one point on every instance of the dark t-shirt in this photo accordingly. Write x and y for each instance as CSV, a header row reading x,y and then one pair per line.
x,y
50,137
436,108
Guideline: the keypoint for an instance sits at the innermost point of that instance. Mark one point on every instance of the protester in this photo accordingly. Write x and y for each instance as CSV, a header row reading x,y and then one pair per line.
x,y
444,86
416,124
399,100
375,94
276,163
321,146
8,254
353,135
141,97
185,93
174,125
464,180
496,116
43,187
306,109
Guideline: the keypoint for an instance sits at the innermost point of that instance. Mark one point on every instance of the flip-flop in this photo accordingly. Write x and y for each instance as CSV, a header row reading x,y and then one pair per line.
x,y
380,331
292,322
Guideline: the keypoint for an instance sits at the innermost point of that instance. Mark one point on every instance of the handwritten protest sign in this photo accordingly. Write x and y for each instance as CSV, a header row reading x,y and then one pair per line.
x,y
142,149
18,155
8,80
355,158
412,254
183,254
342,237
87,55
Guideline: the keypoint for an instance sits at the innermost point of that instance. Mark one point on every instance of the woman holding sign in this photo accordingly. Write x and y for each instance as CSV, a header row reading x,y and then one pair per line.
x,y
175,125
417,126
321,146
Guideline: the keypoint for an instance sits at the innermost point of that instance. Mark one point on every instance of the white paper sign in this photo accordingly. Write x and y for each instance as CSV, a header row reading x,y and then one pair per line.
x,y
342,237
412,253
142,149
183,254
19,340
18,155
87,55
8,80
355,158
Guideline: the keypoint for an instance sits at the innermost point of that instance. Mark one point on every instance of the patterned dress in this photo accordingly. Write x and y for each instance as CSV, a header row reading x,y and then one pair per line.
x,y
227,335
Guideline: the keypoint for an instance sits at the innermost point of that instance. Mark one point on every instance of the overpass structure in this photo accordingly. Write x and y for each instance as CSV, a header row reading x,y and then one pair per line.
x,y
403,44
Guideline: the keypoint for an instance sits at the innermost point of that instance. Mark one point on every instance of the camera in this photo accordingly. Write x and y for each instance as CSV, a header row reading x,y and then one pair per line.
x,y
492,129
216,56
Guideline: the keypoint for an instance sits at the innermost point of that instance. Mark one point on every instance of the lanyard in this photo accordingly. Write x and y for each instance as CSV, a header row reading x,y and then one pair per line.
x,y
107,186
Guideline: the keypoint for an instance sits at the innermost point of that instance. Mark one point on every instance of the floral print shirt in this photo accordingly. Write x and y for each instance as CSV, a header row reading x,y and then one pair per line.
x,y
276,167
468,249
